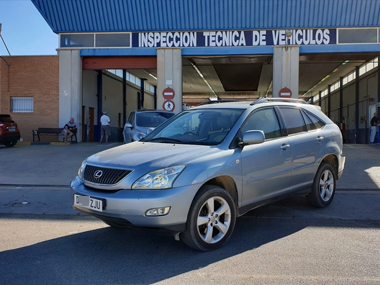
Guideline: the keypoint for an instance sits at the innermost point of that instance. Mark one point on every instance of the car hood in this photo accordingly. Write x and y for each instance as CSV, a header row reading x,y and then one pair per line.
x,y
150,155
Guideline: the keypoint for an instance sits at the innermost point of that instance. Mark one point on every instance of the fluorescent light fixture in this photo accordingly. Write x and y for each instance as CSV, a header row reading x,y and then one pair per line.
x,y
204,79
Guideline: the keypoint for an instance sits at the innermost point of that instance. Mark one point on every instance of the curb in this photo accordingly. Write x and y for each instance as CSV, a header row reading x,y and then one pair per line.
x,y
43,143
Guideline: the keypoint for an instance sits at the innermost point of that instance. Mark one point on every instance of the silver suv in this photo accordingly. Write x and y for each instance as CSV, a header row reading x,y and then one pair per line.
x,y
200,170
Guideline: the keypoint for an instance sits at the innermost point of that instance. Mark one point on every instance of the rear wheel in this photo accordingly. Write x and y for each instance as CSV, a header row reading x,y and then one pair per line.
x,y
211,219
10,144
323,189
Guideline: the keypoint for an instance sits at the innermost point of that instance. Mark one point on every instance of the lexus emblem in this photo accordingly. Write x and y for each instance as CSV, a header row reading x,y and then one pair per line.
x,y
98,174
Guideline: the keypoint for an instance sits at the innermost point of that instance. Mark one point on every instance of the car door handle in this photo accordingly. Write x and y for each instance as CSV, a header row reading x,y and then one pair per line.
x,y
320,138
285,146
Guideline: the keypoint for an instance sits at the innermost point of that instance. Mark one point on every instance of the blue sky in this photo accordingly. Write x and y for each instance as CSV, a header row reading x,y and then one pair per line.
x,y
24,30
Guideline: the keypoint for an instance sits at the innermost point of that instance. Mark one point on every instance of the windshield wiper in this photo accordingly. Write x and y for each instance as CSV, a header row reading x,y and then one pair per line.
x,y
165,139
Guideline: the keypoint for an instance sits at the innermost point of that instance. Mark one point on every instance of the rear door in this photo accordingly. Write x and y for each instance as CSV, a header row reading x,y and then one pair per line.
x,y
266,167
306,140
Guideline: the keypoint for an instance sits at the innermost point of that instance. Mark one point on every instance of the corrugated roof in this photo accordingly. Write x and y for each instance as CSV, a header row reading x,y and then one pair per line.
x,y
176,15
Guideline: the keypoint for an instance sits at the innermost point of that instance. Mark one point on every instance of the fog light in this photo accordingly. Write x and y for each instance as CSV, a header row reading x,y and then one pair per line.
x,y
158,211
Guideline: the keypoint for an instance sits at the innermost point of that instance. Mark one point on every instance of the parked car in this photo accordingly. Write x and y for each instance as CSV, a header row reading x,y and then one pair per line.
x,y
142,122
9,132
194,174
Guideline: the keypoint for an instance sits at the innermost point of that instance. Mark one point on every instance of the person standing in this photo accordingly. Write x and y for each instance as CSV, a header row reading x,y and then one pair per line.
x,y
374,122
105,129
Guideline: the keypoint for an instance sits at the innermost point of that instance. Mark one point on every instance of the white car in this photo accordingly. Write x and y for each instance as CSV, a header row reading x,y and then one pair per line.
x,y
141,123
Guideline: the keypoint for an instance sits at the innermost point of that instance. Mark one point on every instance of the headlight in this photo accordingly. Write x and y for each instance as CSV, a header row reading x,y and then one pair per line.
x,y
138,136
81,169
159,179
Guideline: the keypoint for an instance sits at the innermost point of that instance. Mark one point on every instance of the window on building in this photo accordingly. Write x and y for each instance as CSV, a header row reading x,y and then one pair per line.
x,y
22,104
77,40
113,40
356,36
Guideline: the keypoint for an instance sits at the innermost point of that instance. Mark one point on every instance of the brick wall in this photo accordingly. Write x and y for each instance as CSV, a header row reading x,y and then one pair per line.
x,y
31,76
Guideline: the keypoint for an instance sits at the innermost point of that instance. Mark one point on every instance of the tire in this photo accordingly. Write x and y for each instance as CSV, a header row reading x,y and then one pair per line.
x,y
211,219
323,189
10,144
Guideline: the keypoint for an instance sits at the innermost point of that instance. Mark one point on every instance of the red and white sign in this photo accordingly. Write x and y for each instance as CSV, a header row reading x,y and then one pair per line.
x,y
285,93
168,93
169,105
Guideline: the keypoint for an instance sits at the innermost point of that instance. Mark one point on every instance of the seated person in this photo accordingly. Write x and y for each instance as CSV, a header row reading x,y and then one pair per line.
x,y
69,129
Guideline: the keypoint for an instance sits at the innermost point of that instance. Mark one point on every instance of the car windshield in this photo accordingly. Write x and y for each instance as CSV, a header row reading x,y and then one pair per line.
x,y
203,126
152,119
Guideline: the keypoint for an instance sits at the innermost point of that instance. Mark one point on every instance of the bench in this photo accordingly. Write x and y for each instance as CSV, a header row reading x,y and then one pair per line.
x,y
51,132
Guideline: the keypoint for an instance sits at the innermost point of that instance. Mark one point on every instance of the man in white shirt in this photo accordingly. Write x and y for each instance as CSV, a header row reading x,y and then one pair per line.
x,y
106,131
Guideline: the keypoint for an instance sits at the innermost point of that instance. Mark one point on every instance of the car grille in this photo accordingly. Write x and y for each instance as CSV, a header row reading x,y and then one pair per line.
x,y
101,175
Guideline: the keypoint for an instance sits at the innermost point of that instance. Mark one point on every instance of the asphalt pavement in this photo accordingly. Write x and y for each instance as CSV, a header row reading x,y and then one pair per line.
x,y
35,179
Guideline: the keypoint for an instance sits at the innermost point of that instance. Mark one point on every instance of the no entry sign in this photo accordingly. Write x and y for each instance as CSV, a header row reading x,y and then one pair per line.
x,y
285,93
168,93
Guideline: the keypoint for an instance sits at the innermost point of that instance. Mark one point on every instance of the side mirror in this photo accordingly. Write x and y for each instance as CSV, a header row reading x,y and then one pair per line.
x,y
128,125
252,137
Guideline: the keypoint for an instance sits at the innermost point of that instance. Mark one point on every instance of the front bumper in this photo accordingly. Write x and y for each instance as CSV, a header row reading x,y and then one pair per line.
x,y
130,206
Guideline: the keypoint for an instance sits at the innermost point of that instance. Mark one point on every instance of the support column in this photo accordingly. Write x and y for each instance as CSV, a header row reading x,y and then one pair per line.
x,y
357,81
329,101
70,89
169,74
285,69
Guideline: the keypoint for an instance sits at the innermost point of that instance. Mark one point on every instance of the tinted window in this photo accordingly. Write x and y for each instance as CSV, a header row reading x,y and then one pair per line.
x,y
317,122
293,120
264,120
309,124
6,119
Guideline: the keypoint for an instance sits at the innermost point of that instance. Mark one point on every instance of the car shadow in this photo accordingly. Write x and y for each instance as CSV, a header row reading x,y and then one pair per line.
x,y
124,256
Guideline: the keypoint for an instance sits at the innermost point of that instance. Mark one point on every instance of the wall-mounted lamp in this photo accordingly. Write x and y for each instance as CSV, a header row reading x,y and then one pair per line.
x,y
288,34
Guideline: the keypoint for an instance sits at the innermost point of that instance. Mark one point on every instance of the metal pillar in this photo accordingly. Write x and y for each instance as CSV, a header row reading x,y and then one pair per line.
x,y
99,102
329,101
357,104
124,96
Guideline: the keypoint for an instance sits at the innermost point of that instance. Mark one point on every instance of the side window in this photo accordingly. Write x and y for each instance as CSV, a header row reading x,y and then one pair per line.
x,y
131,118
293,120
264,120
317,122
309,124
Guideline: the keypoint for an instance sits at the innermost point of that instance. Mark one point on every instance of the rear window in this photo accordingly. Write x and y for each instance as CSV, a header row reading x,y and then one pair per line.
x,y
6,119
317,122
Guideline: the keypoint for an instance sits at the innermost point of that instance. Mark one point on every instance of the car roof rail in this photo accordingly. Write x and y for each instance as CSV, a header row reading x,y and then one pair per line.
x,y
216,101
266,99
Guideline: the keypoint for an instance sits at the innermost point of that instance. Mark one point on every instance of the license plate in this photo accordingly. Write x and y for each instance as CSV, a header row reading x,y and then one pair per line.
x,y
11,129
88,202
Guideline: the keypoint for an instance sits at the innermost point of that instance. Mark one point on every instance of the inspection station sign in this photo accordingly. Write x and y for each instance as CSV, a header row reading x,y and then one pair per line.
x,y
251,38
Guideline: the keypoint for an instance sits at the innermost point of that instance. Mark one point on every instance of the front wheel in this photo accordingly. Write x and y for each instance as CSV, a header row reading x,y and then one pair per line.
x,y
323,189
10,144
211,219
